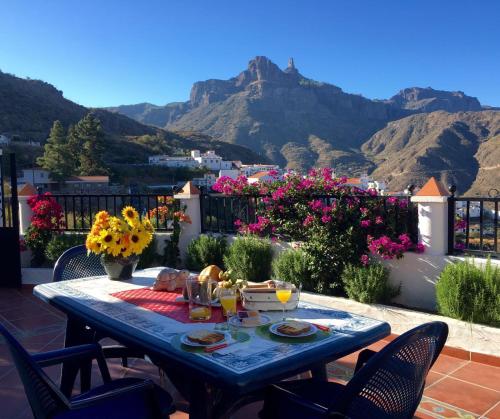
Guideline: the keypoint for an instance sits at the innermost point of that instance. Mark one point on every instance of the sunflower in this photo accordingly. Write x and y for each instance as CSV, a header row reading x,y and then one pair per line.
x,y
118,225
130,214
138,240
92,244
107,238
102,218
115,248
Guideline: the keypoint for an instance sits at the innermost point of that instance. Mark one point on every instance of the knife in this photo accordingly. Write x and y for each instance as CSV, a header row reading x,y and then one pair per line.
x,y
210,349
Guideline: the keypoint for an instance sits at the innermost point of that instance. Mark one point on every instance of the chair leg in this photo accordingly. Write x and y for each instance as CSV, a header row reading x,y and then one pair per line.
x,y
85,376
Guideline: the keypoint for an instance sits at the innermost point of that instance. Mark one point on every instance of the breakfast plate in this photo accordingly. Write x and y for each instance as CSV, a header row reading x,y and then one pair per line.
x,y
235,321
274,329
185,340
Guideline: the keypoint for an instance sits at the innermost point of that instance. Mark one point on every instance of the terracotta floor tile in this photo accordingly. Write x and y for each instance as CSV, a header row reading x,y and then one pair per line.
x,y
433,377
463,395
494,413
484,375
435,408
446,364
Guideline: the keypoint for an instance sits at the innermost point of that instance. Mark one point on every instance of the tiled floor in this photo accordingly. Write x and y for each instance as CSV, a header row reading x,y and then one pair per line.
x,y
455,388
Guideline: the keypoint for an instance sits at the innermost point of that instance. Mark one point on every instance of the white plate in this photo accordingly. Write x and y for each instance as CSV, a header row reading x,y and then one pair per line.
x,y
184,339
235,321
274,329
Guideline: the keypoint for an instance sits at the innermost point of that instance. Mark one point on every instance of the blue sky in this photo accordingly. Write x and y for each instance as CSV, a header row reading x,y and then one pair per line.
x,y
109,52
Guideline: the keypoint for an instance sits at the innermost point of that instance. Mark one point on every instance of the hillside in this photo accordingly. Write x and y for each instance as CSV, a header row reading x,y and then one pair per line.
x,y
28,109
295,121
458,148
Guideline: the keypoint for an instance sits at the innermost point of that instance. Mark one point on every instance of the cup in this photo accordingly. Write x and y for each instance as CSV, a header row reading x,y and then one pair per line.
x,y
199,292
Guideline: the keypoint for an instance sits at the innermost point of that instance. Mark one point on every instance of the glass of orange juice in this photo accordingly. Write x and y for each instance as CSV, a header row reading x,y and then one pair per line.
x,y
227,299
199,292
283,294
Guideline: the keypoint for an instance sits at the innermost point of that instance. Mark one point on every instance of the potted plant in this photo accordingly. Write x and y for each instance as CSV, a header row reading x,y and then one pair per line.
x,y
119,241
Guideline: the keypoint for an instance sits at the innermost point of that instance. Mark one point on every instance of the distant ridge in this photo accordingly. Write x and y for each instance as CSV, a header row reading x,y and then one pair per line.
x,y
293,120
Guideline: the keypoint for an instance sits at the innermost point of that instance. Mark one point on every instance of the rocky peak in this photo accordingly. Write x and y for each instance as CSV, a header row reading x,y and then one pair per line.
x,y
429,100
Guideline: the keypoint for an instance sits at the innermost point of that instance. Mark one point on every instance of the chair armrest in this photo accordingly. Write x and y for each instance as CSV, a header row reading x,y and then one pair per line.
x,y
147,387
75,354
363,357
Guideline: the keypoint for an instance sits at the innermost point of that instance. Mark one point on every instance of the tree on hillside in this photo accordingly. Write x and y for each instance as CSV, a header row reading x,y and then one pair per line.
x,y
57,158
89,138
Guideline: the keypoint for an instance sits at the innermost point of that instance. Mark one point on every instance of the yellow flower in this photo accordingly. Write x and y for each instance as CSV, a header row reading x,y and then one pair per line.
x,y
146,223
107,238
117,224
130,214
102,217
93,245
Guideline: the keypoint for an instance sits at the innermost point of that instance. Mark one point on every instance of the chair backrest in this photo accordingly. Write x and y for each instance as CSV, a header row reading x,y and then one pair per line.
x,y
391,383
43,395
76,263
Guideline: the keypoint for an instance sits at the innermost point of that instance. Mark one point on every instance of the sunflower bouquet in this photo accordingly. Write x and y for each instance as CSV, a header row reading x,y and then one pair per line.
x,y
116,237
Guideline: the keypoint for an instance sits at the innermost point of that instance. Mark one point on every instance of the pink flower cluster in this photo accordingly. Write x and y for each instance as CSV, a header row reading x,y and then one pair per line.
x,y
390,249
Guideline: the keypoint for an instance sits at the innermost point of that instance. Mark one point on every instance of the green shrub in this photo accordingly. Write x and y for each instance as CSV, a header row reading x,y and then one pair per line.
x,y
292,266
204,251
250,258
59,243
468,292
368,284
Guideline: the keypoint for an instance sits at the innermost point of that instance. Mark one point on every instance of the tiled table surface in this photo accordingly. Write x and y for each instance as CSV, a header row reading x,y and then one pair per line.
x,y
455,388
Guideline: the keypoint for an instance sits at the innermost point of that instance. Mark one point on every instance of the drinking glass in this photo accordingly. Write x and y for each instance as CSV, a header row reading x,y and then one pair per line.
x,y
200,298
283,293
227,299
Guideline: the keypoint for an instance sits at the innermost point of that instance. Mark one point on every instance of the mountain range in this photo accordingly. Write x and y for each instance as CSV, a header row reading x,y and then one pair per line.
x,y
300,123
268,114
29,107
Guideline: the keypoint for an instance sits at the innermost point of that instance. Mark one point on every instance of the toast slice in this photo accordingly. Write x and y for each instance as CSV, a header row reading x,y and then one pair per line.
x,y
205,337
294,328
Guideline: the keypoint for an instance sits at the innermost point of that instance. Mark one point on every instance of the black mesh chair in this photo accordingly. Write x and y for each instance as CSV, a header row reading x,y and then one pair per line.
x,y
387,384
76,263
122,398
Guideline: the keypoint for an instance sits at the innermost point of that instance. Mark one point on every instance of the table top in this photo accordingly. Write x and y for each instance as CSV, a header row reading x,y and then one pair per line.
x,y
240,364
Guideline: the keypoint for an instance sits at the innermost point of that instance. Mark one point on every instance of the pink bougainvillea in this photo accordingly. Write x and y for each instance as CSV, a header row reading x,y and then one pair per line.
x,y
337,223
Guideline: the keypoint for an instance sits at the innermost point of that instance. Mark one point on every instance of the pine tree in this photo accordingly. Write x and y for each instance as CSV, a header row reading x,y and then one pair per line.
x,y
57,158
90,139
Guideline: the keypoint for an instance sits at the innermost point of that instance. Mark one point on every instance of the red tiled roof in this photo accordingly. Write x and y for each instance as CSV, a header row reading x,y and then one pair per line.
x,y
432,188
259,175
27,190
190,188
353,180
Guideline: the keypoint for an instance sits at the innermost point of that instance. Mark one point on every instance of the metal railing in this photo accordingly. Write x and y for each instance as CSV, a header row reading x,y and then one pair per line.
x,y
473,226
79,210
220,212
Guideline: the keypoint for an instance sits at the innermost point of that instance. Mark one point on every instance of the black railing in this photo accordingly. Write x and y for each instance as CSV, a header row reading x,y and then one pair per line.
x,y
220,212
79,210
473,226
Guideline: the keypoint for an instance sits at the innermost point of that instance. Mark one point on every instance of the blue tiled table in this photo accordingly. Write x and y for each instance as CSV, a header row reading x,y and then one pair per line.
x,y
211,382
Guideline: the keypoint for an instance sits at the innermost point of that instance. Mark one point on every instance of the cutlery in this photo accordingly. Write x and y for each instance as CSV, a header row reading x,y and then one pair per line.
x,y
210,349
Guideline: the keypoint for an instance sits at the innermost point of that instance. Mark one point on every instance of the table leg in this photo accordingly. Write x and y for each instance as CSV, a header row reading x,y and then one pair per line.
x,y
76,334
320,373
202,398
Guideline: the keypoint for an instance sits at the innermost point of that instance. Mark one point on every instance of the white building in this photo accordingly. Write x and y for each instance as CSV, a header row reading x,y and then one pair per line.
x,y
207,181
366,182
209,160
261,177
250,169
36,176
232,173
168,161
